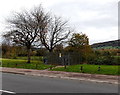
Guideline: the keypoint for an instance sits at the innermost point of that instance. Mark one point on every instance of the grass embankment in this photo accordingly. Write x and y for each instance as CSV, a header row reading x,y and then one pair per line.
x,y
92,69
21,63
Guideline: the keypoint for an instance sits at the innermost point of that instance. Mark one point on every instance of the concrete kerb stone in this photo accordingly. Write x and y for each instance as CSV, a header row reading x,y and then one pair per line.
x,y
63,76
70,78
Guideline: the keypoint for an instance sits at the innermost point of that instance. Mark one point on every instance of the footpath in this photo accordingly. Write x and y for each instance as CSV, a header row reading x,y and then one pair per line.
x,y
65,75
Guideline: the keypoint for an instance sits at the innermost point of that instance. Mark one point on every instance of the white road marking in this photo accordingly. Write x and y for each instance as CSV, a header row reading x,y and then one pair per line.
x,y
5,91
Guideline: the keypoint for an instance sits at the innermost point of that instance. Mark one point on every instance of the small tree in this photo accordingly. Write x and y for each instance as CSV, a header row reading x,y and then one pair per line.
x,y
78,40
80,43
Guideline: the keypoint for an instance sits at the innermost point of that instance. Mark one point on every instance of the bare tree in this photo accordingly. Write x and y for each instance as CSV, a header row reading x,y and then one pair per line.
x,y
55,33
26,26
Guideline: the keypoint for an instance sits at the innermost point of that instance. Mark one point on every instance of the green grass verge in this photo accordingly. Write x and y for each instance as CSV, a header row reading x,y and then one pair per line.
x,y
21,63
35,64
92,69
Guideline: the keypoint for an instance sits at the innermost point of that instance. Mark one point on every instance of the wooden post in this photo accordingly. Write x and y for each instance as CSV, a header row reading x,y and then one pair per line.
x,y
36,66
50,67
65,63
99,68
16,65
81,68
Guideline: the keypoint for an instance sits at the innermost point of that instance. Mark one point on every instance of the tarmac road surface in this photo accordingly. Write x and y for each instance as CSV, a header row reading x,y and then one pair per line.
x,y
15,83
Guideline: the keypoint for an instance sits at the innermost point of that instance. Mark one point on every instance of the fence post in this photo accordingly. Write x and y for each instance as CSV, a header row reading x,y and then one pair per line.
x,y
16,65
65,66
7,64
65,63
81,68
36,66
0,63
99,68
50,67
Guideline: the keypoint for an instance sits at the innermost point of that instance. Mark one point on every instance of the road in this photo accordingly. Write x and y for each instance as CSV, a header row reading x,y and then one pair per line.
x,y
33,84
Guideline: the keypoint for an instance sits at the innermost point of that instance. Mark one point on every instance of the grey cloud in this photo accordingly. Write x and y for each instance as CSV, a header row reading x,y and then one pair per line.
x,y
72,10
103,16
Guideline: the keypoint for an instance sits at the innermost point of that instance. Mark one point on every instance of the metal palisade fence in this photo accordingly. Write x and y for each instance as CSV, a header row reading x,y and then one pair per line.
x,y
70,58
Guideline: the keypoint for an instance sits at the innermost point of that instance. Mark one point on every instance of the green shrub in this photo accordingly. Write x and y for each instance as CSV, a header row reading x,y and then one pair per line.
x,y
103,60
116,60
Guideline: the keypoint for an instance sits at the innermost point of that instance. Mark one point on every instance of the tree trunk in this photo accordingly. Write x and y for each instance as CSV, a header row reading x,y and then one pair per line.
x,y
29,57
50,50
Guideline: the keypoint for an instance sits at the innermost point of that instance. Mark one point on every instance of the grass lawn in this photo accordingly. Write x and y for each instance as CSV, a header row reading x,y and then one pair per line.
x,y
39,58
21,63
93,69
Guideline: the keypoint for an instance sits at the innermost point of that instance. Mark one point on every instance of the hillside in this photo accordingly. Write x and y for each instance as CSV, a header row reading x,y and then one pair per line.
x,y
109,45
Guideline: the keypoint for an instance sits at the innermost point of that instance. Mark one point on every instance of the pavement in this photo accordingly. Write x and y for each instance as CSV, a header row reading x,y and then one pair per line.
x,y
65,75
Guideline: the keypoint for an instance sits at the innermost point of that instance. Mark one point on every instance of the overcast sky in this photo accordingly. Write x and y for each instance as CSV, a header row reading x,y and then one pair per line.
x,y
98,19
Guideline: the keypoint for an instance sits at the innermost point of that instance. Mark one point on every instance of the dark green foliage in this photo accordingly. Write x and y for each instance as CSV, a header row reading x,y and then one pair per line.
x,y
103,58
41,52
78,40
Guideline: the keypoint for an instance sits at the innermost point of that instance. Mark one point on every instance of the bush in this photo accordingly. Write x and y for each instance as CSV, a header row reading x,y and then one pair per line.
x,y
116,60
41,52
103,60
